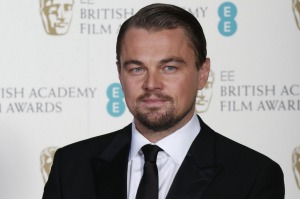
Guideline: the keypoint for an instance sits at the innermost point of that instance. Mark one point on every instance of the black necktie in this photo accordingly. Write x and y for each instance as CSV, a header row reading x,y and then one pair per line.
x,y
148,188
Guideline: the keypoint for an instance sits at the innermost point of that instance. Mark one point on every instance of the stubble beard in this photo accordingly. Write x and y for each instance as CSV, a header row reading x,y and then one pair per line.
x,y
160,119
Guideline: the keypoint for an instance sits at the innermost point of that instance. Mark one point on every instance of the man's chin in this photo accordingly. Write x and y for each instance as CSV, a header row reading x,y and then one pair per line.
x,y
153,112
155,119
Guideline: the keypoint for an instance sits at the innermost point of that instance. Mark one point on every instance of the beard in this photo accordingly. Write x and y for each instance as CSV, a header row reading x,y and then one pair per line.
x,y
159,119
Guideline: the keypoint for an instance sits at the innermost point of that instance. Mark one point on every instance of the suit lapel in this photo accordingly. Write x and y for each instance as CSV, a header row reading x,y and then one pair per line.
x,y
193,177
110,168
198,168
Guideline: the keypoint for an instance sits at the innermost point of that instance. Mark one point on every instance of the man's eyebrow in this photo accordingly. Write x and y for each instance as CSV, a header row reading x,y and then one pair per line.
x,y
132,61
172,59
163,61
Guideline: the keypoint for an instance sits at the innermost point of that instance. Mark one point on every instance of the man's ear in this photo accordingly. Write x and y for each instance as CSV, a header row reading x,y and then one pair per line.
x,y
204,73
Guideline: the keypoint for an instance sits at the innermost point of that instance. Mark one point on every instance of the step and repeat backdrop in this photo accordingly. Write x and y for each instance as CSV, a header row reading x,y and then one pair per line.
x,y
59,82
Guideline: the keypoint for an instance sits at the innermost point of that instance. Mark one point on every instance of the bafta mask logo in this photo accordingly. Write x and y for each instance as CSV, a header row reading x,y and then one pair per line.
x,y
204,96
46,158
56,15
296,165
296,10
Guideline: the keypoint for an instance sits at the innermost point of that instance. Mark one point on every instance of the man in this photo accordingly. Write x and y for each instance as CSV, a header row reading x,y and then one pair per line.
x,y
56,15
162,63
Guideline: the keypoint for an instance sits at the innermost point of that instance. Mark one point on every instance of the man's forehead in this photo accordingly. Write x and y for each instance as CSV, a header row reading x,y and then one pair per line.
x,y
137,35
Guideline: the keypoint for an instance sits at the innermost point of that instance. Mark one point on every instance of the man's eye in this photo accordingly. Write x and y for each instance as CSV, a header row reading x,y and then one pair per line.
x,y
170,68
137,70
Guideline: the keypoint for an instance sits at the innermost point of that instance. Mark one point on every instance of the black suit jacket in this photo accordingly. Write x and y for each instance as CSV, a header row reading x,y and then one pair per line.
x,y
214,168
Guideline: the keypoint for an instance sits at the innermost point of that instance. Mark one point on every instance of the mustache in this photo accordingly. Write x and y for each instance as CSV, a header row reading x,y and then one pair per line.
x,y
157,94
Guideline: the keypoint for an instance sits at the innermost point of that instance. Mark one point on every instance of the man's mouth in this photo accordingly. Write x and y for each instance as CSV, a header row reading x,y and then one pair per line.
x,y
154,99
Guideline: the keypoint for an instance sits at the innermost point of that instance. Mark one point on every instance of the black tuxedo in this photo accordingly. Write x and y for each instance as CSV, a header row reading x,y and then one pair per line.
x,y
214,168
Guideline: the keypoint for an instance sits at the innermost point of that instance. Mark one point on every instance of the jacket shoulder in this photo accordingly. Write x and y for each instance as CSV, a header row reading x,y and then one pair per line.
x,y
230,151
94,145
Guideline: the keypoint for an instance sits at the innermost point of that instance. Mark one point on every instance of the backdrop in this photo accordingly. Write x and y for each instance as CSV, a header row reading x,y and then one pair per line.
x,y
59,82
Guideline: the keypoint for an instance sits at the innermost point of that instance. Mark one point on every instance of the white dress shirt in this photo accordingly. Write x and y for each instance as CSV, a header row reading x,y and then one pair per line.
x,y
175,148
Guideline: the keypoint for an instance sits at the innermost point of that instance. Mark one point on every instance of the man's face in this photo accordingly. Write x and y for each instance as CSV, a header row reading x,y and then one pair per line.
x,y
57,15
296,9
204,95
159,77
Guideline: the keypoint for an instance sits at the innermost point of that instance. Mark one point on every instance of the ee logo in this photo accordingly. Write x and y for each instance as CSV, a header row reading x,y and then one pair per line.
x,y
115,106
227,25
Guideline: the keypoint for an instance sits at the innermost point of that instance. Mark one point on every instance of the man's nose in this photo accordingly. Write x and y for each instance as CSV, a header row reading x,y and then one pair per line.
x,y
153,81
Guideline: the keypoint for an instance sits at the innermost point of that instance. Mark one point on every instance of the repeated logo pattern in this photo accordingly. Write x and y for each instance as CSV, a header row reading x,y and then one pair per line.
x,y
204,96
296,10
56,15
115,105
296,165
227,25
46,159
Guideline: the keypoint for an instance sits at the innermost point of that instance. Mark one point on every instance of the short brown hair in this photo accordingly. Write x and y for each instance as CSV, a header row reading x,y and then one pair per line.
x,y
164,16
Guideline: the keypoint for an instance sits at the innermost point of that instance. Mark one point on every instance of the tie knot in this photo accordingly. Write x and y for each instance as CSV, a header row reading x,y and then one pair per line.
x,y
150,152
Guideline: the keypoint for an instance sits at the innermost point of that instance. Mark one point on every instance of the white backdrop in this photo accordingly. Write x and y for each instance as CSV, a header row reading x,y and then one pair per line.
x,y
58,89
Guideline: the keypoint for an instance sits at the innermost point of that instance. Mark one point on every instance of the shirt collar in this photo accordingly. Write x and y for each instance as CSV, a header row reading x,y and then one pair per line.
x,y
176,145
